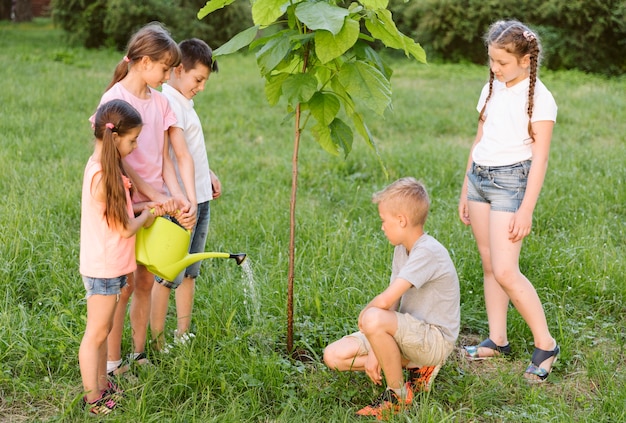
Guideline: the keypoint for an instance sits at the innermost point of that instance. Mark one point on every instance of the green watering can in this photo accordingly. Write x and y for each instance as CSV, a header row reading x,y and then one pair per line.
x,y
164,249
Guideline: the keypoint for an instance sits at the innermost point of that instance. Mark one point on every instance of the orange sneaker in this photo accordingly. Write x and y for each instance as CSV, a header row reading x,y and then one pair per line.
x,y
387,404
422,378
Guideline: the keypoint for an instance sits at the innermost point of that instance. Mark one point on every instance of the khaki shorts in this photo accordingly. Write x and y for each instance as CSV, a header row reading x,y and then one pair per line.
x,y
421,343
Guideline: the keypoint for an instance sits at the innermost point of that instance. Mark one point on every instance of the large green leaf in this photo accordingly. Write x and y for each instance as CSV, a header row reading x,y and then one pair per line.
x,y
212,6
366,85
321,15
324,139
374,4
274,87
383,28
335,137
299,88
266,12
324,107
329,46
273,52
341,135
239,41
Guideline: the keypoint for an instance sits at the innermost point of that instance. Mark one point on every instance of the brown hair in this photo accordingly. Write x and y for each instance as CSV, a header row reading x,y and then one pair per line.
x,y
407,195
196,51
518,40
115,116
153,41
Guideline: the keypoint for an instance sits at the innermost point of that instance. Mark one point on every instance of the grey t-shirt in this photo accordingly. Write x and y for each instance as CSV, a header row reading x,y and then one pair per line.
x,y
435,296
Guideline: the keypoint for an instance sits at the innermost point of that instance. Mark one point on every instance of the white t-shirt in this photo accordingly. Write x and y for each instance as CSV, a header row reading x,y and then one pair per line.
x,y
189,121
505,139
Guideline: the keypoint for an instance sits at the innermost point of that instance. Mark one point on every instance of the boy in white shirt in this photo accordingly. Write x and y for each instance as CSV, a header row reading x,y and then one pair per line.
x,y
187,80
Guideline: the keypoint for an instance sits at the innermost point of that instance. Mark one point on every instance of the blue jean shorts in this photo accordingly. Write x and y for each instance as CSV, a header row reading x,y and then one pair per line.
x,y
503,187
103,286
197,245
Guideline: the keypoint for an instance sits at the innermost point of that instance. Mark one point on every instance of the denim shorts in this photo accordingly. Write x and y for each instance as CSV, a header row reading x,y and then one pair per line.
x,y
197,244
503,187
103,286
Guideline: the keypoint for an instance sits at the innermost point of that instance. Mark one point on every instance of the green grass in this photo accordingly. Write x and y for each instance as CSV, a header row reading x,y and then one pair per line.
x,y
237,369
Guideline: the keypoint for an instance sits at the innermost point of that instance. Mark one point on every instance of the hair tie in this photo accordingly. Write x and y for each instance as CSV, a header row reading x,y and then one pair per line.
x,y
529,36
109,125
126,59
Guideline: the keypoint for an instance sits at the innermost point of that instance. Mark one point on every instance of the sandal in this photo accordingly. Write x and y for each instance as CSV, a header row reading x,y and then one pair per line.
x,y
539,356
471,351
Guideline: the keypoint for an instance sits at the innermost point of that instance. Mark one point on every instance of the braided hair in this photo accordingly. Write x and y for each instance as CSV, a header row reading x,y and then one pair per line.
x,y
517,39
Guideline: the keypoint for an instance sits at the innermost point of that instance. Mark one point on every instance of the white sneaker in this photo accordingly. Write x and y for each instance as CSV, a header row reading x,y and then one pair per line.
x,y
183,339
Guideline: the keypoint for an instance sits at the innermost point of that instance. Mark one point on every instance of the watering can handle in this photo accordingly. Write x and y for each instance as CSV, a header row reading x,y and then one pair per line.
x,y
177,211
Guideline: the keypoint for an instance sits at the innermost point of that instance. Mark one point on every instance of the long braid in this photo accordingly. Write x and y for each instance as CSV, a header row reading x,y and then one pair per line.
x,y
534,65
481,117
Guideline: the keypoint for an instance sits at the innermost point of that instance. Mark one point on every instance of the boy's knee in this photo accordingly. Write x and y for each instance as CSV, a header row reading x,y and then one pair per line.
x,y
371,320
330,357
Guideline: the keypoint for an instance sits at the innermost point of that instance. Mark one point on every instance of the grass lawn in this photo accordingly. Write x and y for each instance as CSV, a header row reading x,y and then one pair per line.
x,y
237,369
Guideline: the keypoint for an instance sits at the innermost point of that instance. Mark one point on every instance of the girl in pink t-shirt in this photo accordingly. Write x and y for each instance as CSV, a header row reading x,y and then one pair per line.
x,y
150,56
107,242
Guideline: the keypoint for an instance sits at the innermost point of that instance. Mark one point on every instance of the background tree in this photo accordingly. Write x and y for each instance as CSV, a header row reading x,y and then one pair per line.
x,y
320,60
23,11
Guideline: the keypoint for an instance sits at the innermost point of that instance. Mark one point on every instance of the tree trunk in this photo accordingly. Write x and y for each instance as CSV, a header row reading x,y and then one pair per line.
x,y
23,11
5,10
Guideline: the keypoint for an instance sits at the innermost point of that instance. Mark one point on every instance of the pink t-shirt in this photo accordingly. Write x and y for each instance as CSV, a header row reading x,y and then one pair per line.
x,y
147,158
104,253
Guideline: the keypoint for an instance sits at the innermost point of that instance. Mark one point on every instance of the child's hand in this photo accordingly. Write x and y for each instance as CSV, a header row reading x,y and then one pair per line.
x,y
464,210
188,218
216,184
149,215
372,369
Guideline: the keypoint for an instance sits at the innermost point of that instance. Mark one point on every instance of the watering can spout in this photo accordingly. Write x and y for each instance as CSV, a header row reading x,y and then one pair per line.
x,y
239,258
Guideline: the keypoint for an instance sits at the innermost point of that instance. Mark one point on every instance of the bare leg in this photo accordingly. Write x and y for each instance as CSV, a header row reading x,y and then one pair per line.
x,y
93,347
184,304
158,313
505,259
379,326
140,307
496,299
114,340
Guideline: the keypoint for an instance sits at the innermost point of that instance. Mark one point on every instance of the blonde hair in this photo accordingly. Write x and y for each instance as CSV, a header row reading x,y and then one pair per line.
x,y
407,195
517,39
153,41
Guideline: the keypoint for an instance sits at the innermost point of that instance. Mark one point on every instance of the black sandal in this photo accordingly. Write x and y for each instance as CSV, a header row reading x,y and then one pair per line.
x,y
539,356
471,351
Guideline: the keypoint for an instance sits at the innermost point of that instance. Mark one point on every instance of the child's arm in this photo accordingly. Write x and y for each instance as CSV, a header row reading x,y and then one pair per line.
x,y
169,176
216,184
463,206
522,220
146,189
187,174
389,298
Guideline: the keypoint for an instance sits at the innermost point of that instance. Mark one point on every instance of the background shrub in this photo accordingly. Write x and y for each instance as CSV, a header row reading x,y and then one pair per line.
x,y
588,35
110,23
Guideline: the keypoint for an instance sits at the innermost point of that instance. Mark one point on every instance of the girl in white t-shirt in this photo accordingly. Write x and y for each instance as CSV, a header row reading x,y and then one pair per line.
x,y
505,173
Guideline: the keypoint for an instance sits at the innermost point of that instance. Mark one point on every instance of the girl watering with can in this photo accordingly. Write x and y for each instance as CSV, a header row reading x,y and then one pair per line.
x,y
107,243
150,56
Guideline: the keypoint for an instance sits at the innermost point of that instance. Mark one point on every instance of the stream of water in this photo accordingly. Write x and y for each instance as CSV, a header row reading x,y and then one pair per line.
x,y
251,301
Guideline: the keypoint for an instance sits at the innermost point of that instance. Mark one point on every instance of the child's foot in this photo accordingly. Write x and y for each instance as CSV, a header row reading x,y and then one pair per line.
x,y
486,349
541,364
102,406
183,338
387,404
422,378
122,368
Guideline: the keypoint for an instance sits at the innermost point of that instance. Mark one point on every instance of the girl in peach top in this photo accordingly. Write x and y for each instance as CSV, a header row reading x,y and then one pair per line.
x,y
107,243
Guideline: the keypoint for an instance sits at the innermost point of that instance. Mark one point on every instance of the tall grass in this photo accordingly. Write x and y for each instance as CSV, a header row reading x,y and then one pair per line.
x,y
237,369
